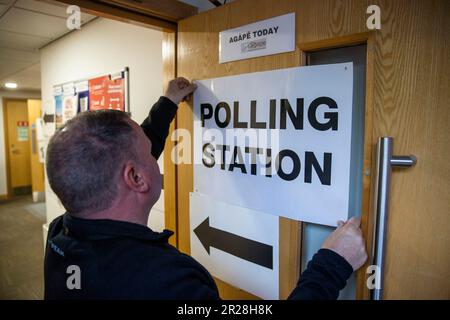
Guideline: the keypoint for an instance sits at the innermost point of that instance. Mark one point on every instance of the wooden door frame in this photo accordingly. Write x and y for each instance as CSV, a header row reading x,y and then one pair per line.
x,y
367,38
6,138
170,171
147,13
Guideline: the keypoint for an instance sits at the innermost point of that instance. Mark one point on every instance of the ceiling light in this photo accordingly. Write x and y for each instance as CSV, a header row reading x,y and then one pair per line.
x,y
11,85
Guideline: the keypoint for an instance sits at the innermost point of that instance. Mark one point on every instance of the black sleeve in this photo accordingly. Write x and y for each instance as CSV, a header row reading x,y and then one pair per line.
x,y
327,273
156,125
183,278
195,284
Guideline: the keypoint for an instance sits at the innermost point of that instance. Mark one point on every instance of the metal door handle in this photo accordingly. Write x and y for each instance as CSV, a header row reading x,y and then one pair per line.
x,y
14,150
385,162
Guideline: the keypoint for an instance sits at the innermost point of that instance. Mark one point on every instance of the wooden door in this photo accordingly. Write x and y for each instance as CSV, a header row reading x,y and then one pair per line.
x,y
406,97
18,145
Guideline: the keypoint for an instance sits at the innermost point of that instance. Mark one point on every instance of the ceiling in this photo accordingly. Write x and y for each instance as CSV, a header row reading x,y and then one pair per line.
x,y
26,26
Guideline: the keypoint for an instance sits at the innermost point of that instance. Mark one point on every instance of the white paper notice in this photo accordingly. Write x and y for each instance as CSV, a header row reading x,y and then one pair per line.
x,y
277,141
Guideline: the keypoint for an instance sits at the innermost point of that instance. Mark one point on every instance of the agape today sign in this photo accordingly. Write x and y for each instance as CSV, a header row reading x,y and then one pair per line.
x,y
278,141
262,38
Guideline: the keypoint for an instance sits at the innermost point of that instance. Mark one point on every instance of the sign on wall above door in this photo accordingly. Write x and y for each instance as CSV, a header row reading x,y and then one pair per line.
x,y
262,38
277,141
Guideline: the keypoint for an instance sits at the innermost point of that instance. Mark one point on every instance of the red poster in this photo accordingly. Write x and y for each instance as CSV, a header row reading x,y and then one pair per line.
x,y
116,93
97,93
106,94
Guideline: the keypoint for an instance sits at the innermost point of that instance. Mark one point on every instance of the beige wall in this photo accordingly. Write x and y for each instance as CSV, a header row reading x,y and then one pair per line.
x,y
101,47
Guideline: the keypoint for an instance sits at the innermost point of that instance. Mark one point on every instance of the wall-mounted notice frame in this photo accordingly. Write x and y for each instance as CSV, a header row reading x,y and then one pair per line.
x,y
103,92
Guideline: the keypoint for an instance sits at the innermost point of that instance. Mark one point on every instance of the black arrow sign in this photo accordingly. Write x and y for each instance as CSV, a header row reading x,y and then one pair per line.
x,y
253,251
49,118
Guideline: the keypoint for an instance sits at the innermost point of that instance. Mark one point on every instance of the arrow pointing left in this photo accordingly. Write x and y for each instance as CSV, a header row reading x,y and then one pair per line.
x,y
48,118
247,249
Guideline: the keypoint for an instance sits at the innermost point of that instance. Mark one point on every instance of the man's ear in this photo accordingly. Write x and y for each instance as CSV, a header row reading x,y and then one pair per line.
x,y
134,179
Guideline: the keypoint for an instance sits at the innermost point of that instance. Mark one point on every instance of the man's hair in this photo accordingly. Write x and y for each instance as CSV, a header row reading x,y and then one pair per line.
x,y
85,157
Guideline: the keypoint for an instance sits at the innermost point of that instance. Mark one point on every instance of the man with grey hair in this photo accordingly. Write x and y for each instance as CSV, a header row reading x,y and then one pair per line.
x,y
102,166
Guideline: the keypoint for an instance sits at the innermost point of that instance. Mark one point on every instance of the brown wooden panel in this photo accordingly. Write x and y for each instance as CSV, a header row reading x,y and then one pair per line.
x,y
170,10
412,79
170,174
228,292
120,14
407,77
367,221
289,259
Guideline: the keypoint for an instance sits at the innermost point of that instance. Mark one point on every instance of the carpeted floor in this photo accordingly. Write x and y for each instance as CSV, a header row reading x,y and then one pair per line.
x,y
21,249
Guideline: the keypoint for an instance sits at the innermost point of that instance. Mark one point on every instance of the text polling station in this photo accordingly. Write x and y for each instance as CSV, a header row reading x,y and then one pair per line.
x,y
277,141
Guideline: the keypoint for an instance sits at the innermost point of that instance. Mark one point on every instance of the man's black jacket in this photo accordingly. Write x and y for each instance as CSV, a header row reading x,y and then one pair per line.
x,y
121,260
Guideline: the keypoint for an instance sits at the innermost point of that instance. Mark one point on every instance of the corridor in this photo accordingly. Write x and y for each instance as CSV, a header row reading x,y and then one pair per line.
x,y
21,249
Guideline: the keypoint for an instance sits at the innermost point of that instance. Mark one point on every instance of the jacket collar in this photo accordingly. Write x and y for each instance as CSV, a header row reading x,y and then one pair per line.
x,y
104,229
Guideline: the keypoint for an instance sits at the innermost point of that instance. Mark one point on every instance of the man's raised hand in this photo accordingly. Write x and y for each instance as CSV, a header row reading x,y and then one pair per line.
x,y
179,89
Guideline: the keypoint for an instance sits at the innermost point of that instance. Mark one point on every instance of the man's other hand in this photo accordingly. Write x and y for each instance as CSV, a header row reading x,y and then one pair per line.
x,y
179,89
348,242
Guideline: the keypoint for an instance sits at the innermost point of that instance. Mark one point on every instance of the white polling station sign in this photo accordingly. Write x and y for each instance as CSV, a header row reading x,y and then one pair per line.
x,y
262,38
236,245
277,141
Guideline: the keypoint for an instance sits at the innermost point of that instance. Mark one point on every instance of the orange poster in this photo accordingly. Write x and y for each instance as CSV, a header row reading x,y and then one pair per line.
x,y
105,93
116,94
